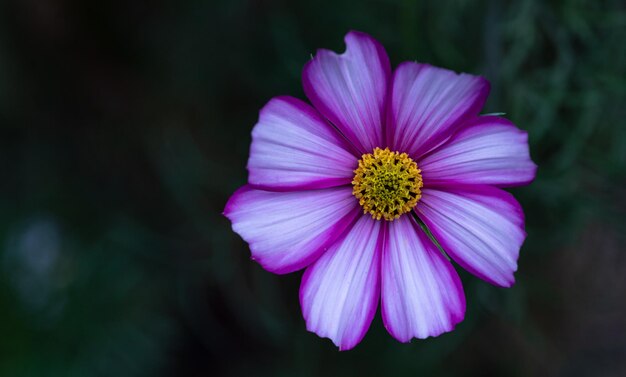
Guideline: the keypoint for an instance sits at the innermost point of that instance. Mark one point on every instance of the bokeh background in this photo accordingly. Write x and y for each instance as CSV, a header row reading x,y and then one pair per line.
x,y
125,126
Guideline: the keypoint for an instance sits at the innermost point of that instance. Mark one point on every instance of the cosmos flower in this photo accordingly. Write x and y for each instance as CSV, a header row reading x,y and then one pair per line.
x,y
348,188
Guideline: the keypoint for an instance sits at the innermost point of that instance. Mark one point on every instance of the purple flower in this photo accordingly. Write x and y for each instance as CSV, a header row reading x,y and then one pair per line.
x,y
338,188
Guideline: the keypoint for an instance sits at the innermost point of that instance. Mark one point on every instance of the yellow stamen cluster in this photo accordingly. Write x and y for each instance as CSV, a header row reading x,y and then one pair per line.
x,y
387,184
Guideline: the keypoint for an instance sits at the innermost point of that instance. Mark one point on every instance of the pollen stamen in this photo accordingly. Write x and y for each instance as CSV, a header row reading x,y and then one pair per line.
x,y
387,184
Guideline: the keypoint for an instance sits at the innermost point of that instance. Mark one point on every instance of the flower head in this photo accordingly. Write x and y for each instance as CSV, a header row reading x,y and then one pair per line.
x,y
339,188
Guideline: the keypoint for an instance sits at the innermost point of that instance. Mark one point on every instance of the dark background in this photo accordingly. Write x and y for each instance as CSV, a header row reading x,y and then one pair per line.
x,y
125,126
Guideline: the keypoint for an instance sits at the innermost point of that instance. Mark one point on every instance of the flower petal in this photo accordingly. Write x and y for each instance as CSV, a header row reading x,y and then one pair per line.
x,y
421,293
480,227
428,104
288,231
350,89
293,147
489,151
339,293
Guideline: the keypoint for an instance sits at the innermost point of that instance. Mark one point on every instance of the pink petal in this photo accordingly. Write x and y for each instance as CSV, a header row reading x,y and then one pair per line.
x,y
489,151
428,104
480,227
288,231
339,293
293,147
421,292
350,89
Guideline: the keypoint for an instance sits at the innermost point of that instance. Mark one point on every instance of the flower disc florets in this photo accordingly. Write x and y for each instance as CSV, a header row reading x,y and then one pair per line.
x,y
387,184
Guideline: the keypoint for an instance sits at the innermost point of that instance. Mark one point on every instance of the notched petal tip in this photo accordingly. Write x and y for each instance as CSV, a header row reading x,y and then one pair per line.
x,y
358,36
337,342
350,88
351,37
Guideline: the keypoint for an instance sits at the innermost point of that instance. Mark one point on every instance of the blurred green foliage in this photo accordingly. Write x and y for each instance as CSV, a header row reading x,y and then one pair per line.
x,y
126,126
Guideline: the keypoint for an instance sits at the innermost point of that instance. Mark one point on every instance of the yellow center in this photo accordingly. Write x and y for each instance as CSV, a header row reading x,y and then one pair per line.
x,y
387,184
